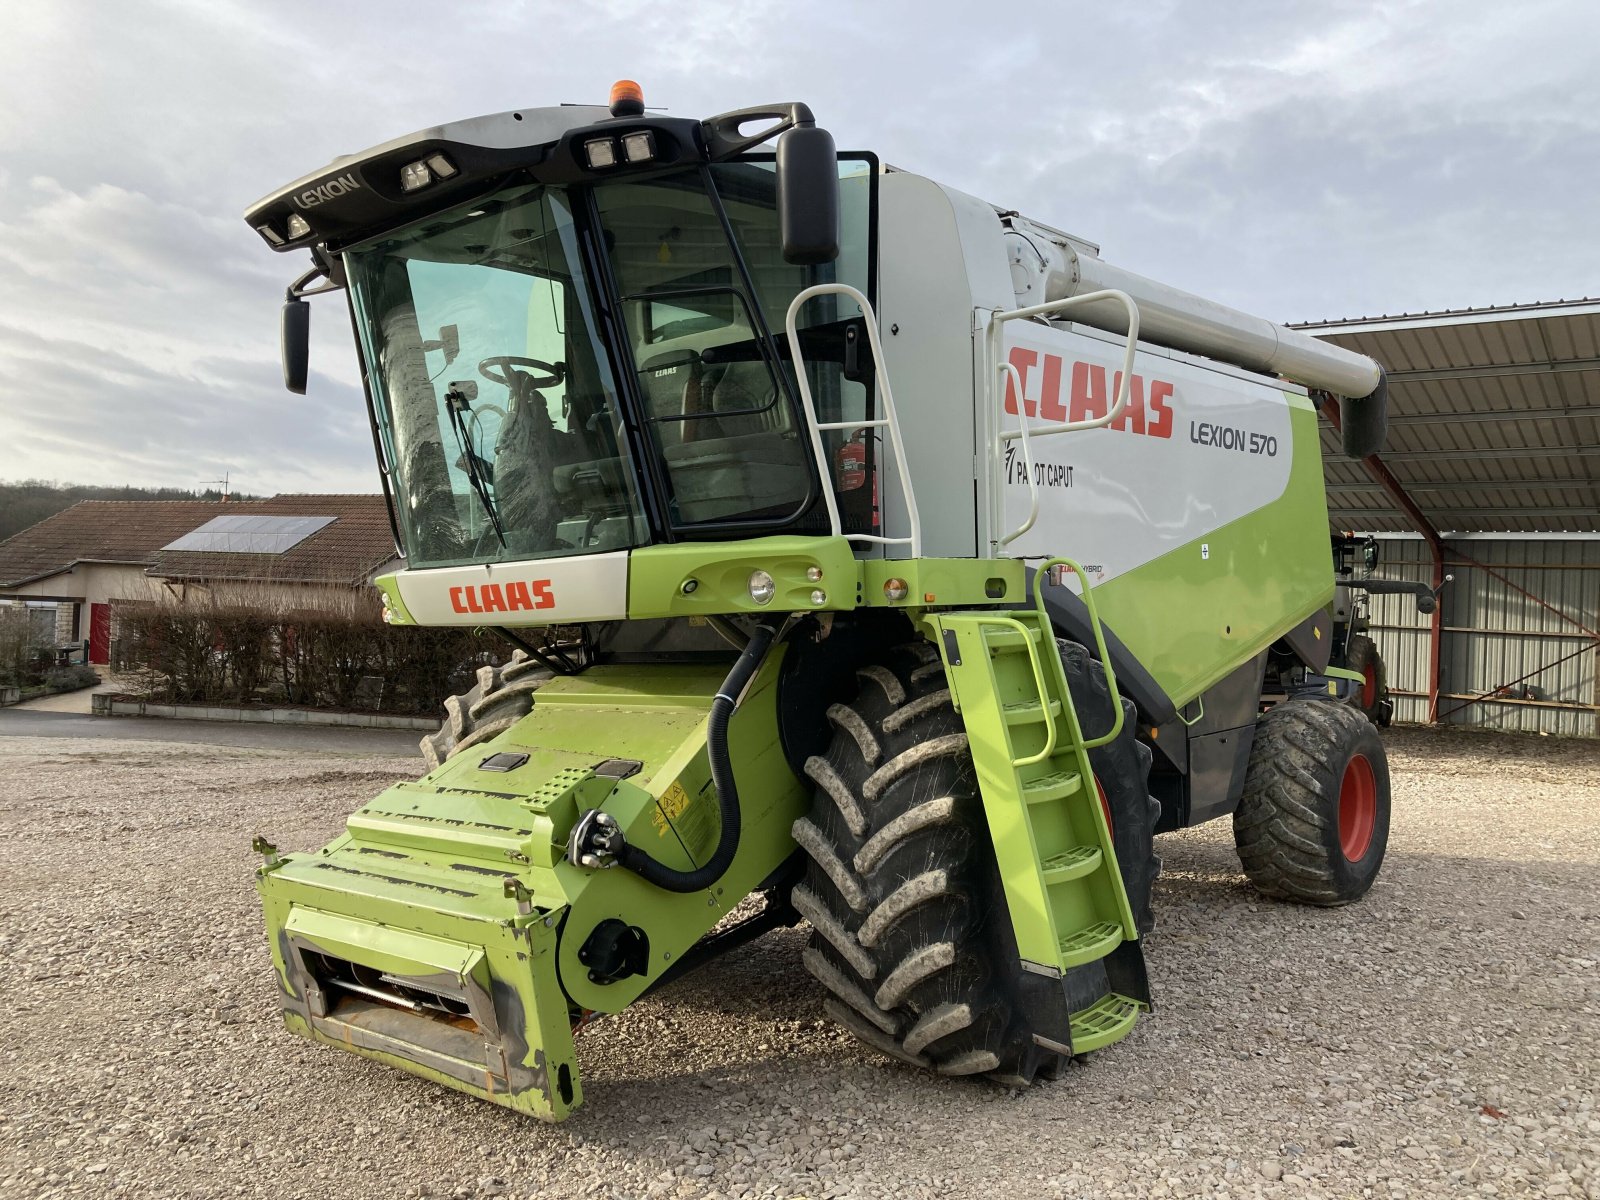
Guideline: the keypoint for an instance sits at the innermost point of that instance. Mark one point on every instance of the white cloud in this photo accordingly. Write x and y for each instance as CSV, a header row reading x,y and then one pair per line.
x,y
1292,157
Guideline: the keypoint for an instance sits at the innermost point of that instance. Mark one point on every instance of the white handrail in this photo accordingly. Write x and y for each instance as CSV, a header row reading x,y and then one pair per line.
x,y
1129,350
1024,432
1011,372
889,418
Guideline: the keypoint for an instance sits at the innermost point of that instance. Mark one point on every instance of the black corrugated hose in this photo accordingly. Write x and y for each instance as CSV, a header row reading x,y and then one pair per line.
x,y
665,877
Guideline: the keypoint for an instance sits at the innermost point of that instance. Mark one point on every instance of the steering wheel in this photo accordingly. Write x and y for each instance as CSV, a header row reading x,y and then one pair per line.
x,y
512,372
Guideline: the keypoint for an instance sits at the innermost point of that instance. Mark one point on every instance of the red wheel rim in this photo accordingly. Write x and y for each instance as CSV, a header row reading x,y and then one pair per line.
x,y
1369,686
1105,806
1358,808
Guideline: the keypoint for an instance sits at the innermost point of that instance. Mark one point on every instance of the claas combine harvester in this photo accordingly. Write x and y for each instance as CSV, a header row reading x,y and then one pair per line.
x,y
780,630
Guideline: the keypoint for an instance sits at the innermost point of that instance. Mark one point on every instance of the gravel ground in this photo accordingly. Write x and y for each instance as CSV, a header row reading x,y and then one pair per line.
x,y
1440,1038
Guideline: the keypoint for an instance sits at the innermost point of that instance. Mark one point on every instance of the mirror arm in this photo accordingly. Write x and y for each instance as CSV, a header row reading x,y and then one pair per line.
x,y
723,139
301,288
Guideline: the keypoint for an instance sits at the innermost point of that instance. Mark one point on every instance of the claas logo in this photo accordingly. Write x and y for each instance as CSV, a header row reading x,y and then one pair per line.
x,y
1091,395
510,597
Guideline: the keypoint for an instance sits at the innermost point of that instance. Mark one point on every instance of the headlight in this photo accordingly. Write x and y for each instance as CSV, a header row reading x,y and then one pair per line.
x,y
298,227
818,596
895,590
639,147
762,588
601,153
414,176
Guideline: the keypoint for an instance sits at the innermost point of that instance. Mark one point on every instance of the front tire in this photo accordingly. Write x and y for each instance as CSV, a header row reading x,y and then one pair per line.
x,y
1313,823
911,934
501,697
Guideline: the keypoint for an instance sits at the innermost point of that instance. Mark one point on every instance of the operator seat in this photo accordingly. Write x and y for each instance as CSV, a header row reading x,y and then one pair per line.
x,y
740,464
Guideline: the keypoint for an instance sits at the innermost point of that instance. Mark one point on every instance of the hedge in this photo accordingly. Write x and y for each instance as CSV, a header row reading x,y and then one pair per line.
x,y
237,653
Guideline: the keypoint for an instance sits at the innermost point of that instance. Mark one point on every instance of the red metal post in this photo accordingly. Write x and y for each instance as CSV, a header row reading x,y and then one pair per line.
x,y
1384,478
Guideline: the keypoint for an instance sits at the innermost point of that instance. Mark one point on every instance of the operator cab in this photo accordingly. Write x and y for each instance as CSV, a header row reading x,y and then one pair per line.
x,y
569,346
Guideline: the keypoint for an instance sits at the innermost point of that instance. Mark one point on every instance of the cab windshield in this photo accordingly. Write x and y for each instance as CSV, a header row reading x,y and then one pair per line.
x,y
502,422
496,404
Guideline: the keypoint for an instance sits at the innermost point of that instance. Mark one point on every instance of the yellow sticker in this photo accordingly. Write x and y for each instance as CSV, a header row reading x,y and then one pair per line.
x,y
669,808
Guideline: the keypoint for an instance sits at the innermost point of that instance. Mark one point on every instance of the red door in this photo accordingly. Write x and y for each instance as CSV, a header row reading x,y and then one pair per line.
x,y
100,633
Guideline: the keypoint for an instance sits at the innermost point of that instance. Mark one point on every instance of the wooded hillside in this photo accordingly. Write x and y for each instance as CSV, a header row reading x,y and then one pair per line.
x,y
29,501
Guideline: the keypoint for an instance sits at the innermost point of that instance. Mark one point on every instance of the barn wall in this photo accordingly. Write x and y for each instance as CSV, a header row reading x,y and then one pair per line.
x,y
1494,634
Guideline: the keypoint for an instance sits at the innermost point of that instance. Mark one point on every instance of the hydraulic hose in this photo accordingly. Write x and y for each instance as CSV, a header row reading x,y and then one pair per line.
x,y
702,877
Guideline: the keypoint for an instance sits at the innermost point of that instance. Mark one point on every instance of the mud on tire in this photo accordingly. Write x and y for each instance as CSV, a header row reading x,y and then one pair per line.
x,y
910,931
1313,823
501,697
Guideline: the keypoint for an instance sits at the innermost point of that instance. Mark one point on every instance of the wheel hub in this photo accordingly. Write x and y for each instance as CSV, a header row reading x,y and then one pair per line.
x,y
1358,808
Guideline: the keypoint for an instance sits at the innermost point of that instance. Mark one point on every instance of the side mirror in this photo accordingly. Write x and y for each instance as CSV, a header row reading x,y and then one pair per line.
x,y
808,196
296,344
449,343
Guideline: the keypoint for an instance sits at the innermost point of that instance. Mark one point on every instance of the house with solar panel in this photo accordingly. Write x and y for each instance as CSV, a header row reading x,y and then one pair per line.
x,y
292,552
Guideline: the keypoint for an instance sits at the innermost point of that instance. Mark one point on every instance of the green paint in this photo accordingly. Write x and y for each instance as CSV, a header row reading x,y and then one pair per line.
x,y
689,579
1053,848
389,585
1191,620
417,884
943,582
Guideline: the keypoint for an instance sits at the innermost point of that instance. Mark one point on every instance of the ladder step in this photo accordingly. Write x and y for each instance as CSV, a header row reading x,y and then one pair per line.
x,y
1027,712
1057,785
1070,864
999,639
1103,1022
1089,944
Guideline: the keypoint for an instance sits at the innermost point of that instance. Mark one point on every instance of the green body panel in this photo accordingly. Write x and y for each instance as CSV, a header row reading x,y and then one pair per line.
x,y
1190,621
701,579
458,883
944,581
1056,858
395,612
717,576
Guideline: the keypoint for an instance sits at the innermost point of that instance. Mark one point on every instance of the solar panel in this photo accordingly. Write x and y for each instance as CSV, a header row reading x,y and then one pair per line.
x,y
249,534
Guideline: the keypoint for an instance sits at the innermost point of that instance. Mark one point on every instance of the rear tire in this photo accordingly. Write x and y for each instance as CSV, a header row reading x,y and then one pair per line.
x,y
910,930
1372,696
501,697
1313,823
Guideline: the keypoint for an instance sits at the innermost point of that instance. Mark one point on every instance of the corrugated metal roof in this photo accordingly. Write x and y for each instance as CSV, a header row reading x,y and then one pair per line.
x,y
1494,421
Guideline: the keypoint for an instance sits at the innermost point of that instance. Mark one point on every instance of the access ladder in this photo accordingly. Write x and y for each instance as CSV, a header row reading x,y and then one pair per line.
x,y
1074,928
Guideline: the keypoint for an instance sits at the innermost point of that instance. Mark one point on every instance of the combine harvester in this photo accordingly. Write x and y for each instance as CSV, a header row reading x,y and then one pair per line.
x,y
780,630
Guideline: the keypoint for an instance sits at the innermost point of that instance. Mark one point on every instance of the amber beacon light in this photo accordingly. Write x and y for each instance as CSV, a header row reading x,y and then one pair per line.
x,y
627,99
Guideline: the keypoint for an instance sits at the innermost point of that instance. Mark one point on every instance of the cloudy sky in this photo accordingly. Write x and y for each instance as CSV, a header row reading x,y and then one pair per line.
x,y
1300,160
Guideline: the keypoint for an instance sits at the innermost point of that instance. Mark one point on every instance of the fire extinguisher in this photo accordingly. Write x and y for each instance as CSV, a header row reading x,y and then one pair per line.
x,y
850,463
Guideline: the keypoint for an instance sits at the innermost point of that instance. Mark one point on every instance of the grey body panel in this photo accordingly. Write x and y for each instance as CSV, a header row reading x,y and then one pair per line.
x,y
499,131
